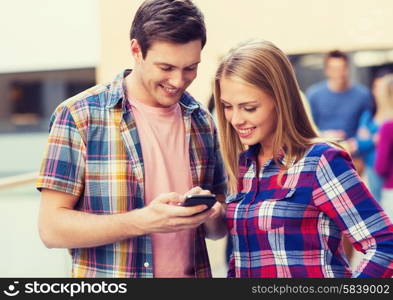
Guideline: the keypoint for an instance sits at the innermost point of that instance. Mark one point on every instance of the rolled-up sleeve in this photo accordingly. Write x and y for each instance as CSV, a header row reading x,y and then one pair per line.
x,y
63,164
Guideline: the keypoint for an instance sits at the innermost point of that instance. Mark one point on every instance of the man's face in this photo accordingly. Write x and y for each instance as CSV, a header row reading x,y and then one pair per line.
x,y
336,69
166,71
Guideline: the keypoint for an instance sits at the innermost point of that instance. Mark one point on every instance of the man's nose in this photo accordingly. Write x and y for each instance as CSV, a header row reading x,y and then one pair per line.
x,y
177,79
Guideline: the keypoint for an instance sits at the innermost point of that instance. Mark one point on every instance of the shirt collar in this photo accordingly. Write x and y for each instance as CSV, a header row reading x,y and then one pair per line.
x,y
117,93
251,154
188,103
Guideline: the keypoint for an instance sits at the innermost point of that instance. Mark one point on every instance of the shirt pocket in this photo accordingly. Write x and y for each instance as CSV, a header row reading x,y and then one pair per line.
x,y
271,213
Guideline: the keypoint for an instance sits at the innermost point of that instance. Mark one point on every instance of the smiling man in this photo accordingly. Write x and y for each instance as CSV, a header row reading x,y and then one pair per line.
x,y
121,157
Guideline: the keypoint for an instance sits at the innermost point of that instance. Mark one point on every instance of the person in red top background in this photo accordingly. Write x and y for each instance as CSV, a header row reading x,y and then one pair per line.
x,y
384,157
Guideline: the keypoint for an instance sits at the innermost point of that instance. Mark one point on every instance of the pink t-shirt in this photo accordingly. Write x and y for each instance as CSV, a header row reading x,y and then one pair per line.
x,y
167,169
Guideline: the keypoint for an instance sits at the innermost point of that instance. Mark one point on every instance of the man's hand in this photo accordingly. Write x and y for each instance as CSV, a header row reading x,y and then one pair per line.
x,y
214,224
165,214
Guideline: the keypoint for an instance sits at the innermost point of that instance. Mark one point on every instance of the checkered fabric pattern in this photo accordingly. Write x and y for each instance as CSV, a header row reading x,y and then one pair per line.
x,y
295,230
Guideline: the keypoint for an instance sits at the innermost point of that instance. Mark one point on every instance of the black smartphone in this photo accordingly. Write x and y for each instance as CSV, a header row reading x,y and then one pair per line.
x,y
192,200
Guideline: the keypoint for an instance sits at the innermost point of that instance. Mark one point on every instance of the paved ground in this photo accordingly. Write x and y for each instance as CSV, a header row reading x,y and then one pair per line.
x,y
22,253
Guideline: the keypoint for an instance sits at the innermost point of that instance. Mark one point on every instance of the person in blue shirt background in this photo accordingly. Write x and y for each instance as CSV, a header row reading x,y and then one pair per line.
x,y
336,103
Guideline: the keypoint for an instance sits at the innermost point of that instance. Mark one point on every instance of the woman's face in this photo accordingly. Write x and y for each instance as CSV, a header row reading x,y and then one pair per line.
x,y
250,111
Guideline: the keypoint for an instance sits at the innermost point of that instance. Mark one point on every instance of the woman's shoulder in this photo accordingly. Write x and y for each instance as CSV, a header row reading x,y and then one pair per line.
x,y
319,150
325,156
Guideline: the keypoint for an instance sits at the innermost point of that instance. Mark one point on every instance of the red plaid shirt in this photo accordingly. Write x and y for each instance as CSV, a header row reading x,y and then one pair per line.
x,y
295,230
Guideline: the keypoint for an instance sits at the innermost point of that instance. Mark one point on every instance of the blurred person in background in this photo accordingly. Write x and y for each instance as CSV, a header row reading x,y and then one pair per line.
x,y
365,142
384,158
337,105
122,156
294,195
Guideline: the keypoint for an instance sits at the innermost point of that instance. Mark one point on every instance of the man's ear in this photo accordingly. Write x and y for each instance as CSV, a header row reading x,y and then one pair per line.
x,y
136,50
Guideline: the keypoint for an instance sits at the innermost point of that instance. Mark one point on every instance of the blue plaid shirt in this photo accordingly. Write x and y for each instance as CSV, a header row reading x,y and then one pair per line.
x,y
295,230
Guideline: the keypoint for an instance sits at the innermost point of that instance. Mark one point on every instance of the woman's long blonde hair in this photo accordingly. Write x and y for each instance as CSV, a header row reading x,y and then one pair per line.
x,y
263,65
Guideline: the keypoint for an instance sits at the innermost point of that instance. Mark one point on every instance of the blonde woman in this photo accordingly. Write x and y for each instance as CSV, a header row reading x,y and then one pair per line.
x,y
294,195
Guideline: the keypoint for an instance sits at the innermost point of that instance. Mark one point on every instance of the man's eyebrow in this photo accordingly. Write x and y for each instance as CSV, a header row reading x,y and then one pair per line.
x,y
195,63
163,64
170,65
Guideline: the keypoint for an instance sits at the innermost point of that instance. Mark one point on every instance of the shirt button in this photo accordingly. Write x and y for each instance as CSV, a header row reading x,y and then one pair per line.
x,y
146,264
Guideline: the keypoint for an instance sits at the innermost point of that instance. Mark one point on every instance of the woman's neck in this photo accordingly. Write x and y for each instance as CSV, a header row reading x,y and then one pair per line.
x,y
264,155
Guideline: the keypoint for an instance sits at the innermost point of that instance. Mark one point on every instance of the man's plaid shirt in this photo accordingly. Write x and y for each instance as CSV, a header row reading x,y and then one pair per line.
x,y
94,152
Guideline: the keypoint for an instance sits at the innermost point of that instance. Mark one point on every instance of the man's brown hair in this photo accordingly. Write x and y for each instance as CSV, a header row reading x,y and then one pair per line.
x,y
178,21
